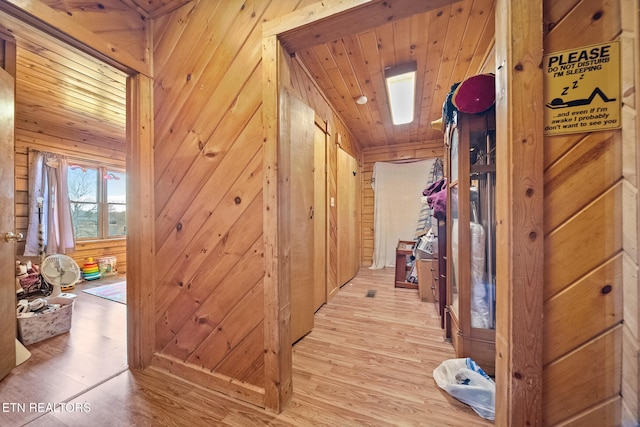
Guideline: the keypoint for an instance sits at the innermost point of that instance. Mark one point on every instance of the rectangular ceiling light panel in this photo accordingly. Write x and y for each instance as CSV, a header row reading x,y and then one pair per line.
x,y
401,92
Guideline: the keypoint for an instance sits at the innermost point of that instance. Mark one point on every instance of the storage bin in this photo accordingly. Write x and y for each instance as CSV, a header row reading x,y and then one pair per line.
x,y
46,325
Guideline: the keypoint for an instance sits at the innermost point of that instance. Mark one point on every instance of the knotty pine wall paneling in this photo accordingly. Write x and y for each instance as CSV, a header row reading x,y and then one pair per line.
x,y
630,75
208,139
208,194
519,212
583,248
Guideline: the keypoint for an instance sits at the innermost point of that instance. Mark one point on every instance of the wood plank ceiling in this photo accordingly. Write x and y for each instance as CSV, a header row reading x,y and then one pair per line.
x,y
65,93
449,44
155,8
148,8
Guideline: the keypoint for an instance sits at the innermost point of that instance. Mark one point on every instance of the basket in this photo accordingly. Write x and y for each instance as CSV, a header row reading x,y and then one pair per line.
x,y
46,325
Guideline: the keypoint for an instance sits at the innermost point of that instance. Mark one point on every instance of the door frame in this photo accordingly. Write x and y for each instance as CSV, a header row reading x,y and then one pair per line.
x,y
518,47
7,212
321,235
139,164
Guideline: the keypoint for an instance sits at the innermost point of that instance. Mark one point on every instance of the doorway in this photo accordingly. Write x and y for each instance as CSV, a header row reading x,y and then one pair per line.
x,y
287,37
96,349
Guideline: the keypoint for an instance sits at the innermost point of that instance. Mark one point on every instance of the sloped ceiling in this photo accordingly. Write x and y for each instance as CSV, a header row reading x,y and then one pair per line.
x,y
448,44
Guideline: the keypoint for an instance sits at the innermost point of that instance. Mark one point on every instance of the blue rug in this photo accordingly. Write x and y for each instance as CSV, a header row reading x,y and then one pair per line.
x,y
115,292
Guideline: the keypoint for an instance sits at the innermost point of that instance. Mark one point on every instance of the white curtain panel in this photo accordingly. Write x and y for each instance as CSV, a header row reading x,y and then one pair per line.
x,y
48,179
397,191
60,236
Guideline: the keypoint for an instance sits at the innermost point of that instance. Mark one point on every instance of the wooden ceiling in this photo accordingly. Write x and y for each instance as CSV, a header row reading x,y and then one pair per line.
x,y
449,44
155,8
148,8
66,93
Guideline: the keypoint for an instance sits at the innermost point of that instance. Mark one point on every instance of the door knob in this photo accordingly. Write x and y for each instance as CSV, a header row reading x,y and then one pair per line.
x,y
13,237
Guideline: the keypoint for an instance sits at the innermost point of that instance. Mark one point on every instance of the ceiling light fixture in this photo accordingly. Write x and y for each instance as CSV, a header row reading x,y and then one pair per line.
x,y
361,100
401,92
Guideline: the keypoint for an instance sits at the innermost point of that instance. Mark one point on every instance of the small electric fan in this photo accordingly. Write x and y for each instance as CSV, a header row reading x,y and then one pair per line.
x,y
60,271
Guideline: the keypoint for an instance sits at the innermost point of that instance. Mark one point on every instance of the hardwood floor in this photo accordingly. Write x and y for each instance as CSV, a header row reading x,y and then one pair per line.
x,y
367,362
67,365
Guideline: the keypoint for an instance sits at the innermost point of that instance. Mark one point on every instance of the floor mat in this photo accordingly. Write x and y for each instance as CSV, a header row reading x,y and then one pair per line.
x,y
115,292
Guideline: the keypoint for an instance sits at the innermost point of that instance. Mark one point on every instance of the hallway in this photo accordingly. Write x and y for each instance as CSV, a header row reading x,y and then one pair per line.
x,y
368,361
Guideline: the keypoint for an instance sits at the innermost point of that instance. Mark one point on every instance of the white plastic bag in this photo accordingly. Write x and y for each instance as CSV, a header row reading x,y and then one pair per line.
x,y
467,382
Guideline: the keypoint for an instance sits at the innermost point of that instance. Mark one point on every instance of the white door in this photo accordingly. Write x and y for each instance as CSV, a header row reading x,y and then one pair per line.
x,y
7,248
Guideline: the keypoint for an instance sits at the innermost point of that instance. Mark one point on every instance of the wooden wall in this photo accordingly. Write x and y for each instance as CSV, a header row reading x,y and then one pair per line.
x,y
208,179
583,217
414,151
208,194
630,47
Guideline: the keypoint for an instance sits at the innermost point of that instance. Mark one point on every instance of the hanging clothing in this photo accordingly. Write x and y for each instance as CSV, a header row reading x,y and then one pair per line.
x,y
435,175
436,195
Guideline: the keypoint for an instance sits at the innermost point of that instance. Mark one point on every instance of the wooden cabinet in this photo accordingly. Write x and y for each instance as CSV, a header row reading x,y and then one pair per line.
x,y
427,274
471,263
404,264
432,273
440,271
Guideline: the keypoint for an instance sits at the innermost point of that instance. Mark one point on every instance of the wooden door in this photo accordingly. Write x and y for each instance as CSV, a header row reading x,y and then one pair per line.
x,y
348,217
298,120
320,218
7,249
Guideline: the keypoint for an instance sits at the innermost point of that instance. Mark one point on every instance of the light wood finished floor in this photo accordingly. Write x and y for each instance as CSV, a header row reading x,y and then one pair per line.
x,y
367,362
67,365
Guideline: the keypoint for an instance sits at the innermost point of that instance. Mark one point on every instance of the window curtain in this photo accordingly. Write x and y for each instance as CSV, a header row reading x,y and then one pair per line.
x,y
48,179
397,191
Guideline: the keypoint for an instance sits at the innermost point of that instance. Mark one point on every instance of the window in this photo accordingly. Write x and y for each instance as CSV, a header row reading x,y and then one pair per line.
x,y
98,198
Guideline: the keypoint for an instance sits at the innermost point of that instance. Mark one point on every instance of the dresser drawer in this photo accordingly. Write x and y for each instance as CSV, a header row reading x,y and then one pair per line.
x,y
425,279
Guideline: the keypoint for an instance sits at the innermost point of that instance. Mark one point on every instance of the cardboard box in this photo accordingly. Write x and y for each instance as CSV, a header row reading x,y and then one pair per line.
x,y
46,325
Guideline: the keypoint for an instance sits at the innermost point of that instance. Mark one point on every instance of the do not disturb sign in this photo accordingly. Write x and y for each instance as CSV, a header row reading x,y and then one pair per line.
x,y
582,89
